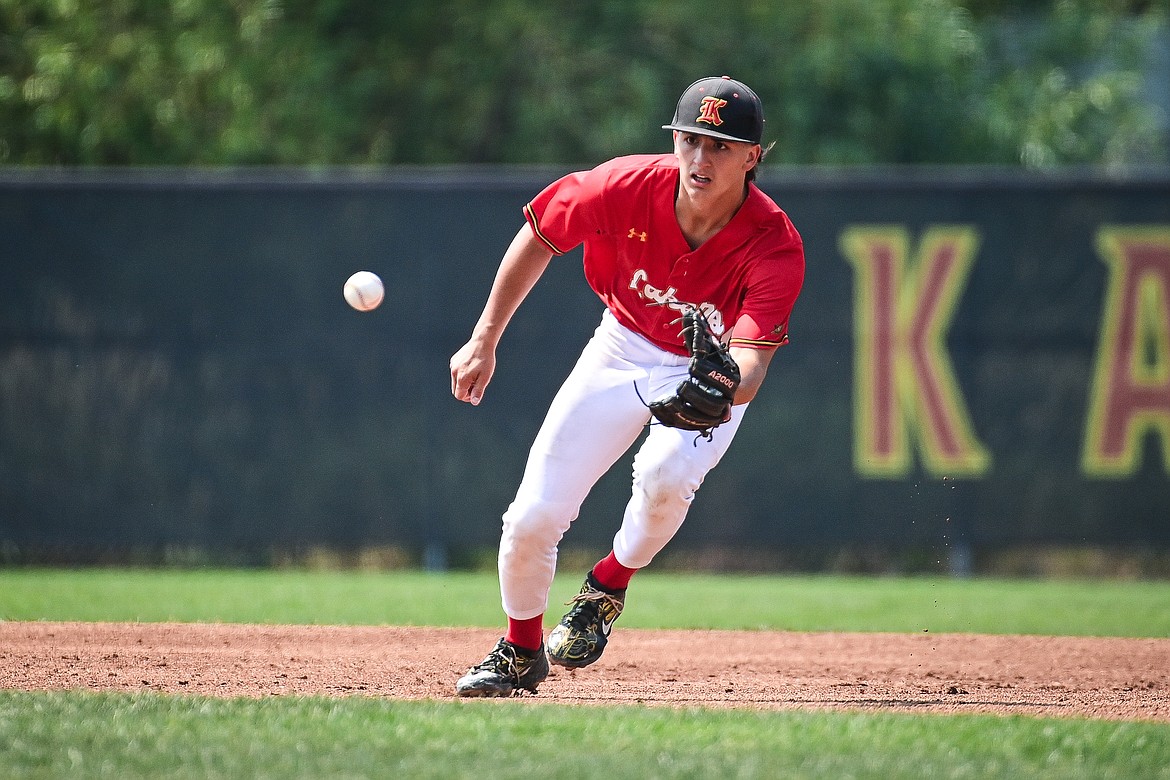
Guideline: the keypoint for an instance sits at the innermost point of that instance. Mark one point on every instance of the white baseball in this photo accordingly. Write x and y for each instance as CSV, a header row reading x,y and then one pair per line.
x,y
364,291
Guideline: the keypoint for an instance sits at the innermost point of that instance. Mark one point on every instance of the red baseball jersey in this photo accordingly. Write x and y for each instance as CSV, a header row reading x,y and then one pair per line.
x,y
748,275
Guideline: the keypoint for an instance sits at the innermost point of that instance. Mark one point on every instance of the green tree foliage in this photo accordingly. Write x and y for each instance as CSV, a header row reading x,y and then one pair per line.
x,y
345,82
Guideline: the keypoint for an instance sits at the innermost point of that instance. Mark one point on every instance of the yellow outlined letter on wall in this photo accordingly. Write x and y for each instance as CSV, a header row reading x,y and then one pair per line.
x,y
904,383
1131,383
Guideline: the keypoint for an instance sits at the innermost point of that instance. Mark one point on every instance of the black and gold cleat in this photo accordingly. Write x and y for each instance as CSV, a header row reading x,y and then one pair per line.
x,y
580,638
507,669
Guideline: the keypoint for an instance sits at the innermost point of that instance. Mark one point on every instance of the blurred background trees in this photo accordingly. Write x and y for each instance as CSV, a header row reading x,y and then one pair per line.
x,y
377,82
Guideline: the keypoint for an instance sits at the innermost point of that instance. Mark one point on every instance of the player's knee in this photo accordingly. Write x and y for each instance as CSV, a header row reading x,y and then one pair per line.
x,y
531,520
667,483
673,473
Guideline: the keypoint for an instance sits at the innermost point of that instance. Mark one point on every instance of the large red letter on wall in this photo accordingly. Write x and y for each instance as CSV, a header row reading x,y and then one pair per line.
x,y
1131,384
903,380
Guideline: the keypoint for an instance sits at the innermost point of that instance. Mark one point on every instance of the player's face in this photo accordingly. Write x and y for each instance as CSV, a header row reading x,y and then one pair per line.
x,y
713,167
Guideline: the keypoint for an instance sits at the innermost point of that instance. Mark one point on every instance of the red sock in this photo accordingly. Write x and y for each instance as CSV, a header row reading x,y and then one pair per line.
x,y
611,574
528,634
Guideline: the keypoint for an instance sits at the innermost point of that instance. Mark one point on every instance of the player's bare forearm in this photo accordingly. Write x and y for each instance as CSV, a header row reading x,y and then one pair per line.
x,y
473,365
753,367
522,266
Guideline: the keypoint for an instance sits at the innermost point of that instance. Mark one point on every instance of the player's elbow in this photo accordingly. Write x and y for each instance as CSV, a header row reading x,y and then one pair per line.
x,y
745,395
753,366
749,386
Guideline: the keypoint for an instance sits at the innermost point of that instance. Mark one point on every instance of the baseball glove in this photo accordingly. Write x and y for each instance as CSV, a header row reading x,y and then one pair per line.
x,y
703,400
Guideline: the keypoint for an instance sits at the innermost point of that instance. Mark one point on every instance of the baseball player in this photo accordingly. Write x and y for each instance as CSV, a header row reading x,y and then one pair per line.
x,y
698,270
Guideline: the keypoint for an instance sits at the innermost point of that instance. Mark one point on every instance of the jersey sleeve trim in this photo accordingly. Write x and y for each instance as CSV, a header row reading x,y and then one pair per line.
x,y
534,221
757,343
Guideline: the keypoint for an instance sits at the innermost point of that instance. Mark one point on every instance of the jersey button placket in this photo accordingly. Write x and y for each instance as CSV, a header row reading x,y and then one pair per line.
x,y
678,273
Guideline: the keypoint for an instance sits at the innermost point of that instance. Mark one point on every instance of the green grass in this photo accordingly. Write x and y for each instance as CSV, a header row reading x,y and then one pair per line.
x,y
83,734
820,603
117,736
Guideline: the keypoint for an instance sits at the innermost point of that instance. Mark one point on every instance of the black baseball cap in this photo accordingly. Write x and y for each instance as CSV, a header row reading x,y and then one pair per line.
x,y
720,107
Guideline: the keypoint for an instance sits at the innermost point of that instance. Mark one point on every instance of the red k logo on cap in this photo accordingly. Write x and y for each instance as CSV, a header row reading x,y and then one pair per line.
x,y
709,110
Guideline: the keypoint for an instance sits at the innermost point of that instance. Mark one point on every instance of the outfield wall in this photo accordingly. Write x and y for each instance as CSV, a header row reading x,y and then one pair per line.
x,y
977,357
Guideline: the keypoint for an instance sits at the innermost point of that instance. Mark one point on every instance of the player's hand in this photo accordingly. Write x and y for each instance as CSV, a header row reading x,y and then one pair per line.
x,y
471,371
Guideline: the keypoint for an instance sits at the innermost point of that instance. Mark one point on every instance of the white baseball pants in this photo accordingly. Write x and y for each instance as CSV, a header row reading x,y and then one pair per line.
x,y
594,419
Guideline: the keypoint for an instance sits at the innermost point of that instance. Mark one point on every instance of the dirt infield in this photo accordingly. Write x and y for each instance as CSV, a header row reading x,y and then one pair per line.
x,y
923,673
